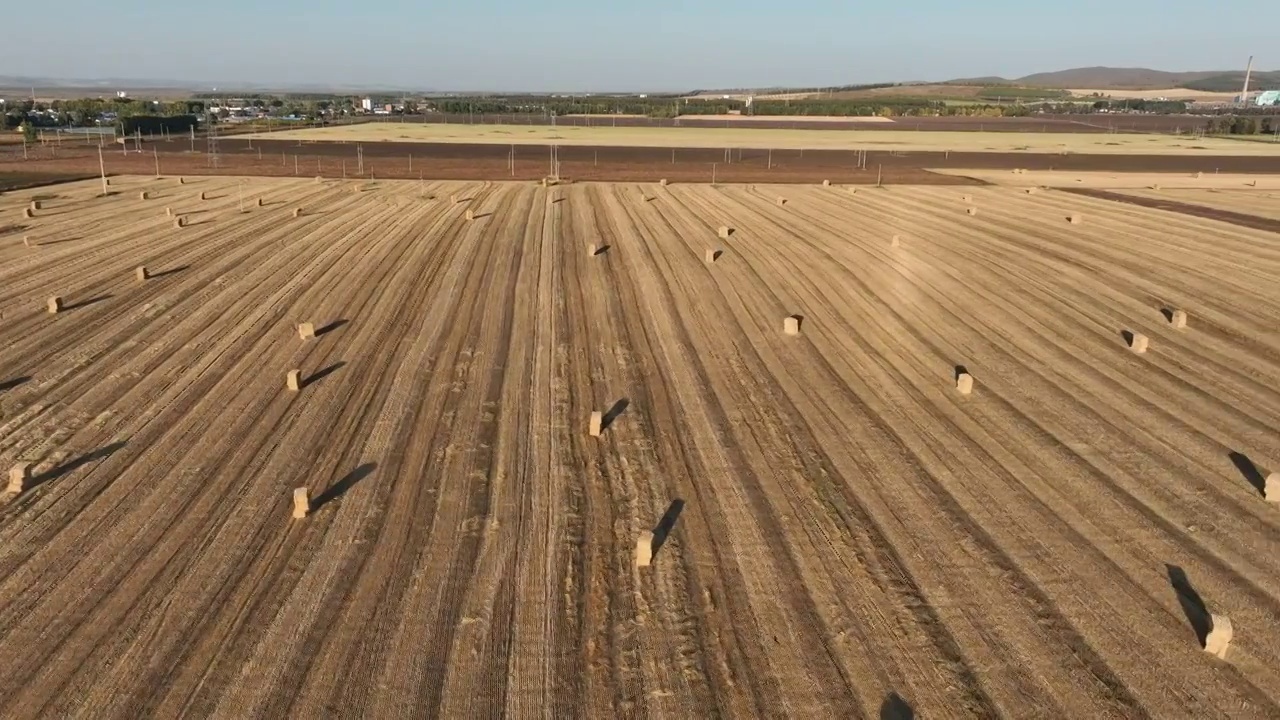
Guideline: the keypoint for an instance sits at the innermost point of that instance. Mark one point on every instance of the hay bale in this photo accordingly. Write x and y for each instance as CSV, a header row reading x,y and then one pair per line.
x,y
18,476
297,212
301,503
1199,175
293,380
1271,488
1031,191
826,183
1178,319
1218,640
471,214
182,181
27,213
453,199
260,202
644,549
971,211
1137,342
663,182
782,201
54,304
596,424
895,241
964,383
307,331
35,205
141,273
791,325
142,195
26,240
1155,186
724,232
179,222
1075,219
203,195
853,191
168,212
591,249
711,255
966,198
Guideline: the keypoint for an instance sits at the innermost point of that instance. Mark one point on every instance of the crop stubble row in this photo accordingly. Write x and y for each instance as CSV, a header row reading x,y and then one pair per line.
x,y
853,527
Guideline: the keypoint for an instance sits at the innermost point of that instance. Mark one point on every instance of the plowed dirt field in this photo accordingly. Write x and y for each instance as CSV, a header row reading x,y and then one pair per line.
x,y
840,532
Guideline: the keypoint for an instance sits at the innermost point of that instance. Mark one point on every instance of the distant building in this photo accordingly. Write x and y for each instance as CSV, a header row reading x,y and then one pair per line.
x,y
1270,97
366,104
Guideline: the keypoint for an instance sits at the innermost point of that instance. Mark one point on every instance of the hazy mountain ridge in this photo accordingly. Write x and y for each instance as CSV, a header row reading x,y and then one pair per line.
x,y
1136,79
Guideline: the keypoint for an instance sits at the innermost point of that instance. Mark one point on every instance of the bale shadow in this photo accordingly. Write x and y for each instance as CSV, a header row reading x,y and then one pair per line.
x,y
1250,471
715,254
171,271
67,468
340,488
613,413
202,222
1167,313
87,303
477,216
601,250
8,229
799,321
895,708
666,524
557,201
1192,604
325,330
55,242
15,382
1128,337
960,370
322,374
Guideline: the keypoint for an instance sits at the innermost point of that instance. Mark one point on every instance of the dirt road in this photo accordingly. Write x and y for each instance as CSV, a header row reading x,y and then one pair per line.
x,y
846,535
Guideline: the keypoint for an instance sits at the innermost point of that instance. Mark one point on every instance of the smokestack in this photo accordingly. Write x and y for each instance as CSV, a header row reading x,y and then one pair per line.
x,y
1244,94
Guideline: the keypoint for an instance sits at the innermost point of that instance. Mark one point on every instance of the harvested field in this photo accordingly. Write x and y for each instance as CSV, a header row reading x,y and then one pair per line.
x,y
751,137
833,528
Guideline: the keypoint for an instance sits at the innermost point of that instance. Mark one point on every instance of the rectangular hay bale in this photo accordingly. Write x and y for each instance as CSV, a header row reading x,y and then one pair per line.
x,y
301,503
1218,640
596,424
18,476
644,549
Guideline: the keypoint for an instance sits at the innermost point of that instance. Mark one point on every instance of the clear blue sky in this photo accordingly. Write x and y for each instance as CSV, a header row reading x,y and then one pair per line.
x,y
624,44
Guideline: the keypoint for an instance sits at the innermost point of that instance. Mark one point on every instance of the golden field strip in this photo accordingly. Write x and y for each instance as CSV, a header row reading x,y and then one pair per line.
x,y
746,137
852,534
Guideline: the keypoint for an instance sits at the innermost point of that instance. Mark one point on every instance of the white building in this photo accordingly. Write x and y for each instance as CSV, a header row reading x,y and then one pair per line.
x,y
367,104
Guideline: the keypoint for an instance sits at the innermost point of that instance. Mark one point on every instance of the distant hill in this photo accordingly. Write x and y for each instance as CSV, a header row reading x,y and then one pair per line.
x,y
1103,78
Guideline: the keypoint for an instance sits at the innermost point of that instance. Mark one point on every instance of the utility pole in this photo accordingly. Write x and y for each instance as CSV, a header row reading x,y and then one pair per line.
x,y
156,155
102,168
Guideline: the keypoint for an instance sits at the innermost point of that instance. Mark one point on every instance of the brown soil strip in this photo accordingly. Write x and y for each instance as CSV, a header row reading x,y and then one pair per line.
x,y
1235,218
